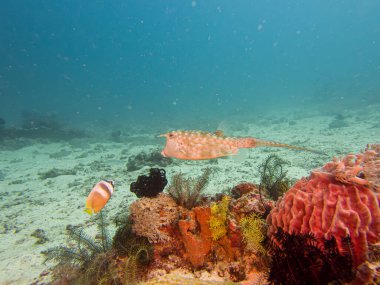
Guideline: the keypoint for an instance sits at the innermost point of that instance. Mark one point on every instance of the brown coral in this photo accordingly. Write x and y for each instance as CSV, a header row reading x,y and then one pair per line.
x,y
153,216
338,200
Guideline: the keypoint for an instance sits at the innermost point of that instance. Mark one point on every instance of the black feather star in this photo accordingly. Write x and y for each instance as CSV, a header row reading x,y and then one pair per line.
x,y
150,186
297,259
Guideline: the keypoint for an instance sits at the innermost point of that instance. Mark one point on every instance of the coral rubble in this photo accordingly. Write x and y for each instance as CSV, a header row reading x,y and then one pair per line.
x,y
151,159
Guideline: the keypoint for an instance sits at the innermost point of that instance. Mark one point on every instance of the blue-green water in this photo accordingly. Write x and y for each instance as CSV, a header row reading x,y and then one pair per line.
x,y
143,62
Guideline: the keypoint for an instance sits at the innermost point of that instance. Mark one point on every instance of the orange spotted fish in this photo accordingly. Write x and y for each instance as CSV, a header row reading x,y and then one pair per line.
x,y
99,196
195,145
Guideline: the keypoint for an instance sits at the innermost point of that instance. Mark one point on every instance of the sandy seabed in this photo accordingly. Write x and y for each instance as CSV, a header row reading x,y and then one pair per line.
x,y
32,204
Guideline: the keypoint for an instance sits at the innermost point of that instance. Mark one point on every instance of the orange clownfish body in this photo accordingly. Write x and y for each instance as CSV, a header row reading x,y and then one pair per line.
x,y
99,196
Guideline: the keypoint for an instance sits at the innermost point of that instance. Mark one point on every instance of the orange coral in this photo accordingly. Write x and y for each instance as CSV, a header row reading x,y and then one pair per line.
x,y
196,235
198,239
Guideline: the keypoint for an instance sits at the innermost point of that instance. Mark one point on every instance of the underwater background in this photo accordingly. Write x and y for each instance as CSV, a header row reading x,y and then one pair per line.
x,y
86,87
139,62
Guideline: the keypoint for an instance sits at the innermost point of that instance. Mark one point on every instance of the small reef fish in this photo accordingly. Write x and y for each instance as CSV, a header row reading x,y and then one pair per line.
x,y
196,145
99,196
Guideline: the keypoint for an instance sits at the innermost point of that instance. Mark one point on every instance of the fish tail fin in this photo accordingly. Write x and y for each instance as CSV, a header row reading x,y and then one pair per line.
x,y
263,143
89,211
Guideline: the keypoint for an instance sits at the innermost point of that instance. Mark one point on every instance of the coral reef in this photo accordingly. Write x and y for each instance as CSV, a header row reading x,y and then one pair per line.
x,y
242,189
187,192
369,272
338,200
250,201
151,217
324,230
149,186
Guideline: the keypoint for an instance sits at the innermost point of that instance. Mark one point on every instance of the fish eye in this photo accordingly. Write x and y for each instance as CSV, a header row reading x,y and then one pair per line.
x,y
361,175
171,135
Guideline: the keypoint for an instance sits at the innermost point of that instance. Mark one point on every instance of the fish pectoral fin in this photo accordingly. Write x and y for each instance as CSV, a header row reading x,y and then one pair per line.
x,y
89,211
219,133
232,152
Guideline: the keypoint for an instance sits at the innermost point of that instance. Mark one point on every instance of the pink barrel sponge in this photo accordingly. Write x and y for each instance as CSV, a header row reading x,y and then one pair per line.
x,y
340,199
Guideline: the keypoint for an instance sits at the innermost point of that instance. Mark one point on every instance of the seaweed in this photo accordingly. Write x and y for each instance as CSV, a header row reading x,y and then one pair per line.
x,y
89,257
187,192
150,186
138,250
252,228
273,181
218,219
297,259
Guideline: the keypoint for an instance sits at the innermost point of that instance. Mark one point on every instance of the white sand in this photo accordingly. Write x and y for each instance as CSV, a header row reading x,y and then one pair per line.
x,y
28,202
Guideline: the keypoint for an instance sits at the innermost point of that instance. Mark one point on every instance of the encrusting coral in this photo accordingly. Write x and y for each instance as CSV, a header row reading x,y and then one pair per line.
x,y
338,200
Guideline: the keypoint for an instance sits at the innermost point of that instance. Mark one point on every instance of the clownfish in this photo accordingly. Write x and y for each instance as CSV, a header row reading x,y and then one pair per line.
x,y
99,196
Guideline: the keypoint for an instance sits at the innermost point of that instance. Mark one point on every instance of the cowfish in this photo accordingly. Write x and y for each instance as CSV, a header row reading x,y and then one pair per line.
x,y
99,196
197,145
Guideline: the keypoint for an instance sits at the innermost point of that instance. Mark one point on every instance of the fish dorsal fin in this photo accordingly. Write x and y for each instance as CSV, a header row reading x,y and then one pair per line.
x,y
219,133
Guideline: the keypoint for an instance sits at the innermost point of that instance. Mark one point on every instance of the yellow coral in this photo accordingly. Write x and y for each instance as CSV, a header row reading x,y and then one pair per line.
x,y
252,230
218,218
